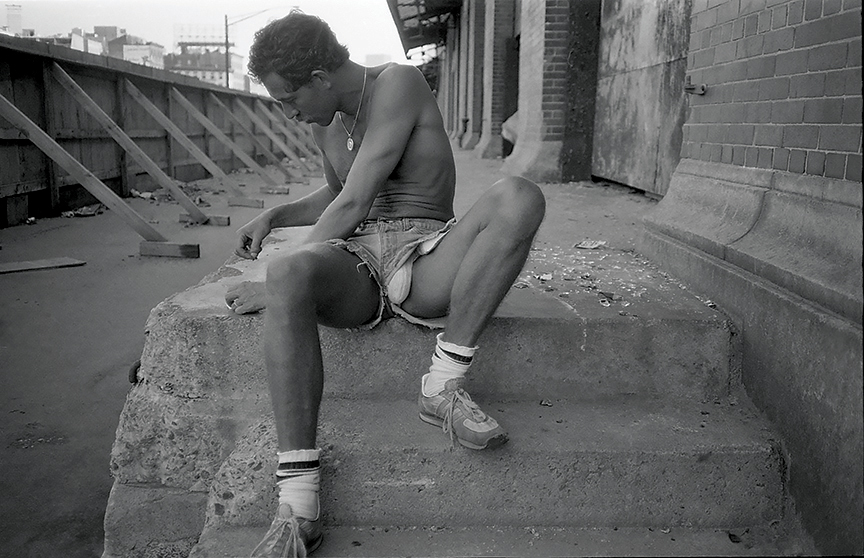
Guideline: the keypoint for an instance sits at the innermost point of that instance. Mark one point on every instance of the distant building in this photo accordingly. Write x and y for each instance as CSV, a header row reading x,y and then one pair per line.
x,y
206,61
88,42
135,49
13,20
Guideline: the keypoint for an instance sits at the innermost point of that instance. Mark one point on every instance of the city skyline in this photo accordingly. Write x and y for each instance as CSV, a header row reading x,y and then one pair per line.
x,y
159,20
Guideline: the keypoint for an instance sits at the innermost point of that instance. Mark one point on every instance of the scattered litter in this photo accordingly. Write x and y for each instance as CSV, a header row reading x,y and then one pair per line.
x,y
142,195
544,277
665,530
201,201
521,285
86,211
605,302
545,403
590,244
31,220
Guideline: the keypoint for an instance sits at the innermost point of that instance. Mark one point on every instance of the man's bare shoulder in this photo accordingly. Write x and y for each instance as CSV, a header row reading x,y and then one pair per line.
x,y
401,77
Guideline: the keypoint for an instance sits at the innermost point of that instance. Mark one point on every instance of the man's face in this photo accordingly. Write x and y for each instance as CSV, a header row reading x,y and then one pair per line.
x,y
303,103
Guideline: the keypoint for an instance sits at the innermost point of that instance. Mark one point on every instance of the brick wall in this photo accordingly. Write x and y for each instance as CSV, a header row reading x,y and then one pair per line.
x,y
783,85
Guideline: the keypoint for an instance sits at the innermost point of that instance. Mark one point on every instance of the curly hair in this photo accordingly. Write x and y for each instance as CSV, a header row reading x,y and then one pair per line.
x,y
293,47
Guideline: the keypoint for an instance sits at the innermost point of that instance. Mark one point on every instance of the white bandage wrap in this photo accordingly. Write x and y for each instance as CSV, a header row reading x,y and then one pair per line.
x,y
298,478
444,367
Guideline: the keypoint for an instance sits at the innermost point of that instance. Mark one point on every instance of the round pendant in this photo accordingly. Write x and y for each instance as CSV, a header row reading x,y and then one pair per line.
x,y
350,144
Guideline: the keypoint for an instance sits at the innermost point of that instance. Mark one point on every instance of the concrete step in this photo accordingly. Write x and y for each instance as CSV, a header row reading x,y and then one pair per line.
x,y
525,541
666,342
621,462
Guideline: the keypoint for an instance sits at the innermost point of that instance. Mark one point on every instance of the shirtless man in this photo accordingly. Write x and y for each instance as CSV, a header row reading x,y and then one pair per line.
x,y
390,177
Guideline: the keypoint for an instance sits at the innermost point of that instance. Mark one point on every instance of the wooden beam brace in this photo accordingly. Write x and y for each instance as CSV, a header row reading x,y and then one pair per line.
x,y
270,133
220,136
289,173
182,139
68,163
290,136
126,143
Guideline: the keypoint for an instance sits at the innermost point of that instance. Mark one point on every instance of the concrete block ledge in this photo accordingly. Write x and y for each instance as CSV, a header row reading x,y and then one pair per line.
x,y
142,521
622,462
202,378
789,232
801,364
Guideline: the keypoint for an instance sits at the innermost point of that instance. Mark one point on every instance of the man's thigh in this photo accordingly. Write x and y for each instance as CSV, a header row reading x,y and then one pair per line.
x,y
434,273
343,290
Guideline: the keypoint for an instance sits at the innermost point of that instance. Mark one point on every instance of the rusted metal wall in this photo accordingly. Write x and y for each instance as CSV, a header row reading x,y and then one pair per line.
x,y
32,185
641,105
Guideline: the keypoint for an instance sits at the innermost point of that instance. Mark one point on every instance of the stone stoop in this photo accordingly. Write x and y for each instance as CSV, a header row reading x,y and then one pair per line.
x,y
617,420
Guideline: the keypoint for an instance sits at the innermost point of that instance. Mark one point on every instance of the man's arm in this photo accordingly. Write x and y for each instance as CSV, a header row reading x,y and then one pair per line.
x,y
300,213
393,114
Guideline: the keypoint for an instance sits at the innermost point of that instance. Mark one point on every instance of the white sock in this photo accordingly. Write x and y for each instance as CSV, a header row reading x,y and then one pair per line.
x,y
449,362
298,477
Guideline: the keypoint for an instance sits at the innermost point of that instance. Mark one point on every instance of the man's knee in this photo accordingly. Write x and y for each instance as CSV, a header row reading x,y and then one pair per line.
x,y
521,201
293,272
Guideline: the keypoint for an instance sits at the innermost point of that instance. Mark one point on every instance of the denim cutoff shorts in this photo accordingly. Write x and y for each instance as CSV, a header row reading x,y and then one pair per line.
x,y
388,248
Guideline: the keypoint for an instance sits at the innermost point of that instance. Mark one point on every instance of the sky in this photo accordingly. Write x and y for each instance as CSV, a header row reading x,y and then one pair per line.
x,y
364,26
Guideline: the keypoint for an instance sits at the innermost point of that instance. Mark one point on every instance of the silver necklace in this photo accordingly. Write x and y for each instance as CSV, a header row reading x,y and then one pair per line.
x,y
350,143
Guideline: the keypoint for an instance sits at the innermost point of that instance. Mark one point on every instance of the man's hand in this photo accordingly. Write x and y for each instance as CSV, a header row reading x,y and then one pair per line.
x,y
250,236
245,298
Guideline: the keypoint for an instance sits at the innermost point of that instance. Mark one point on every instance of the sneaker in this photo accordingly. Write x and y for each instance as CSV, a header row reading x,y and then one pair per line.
x,y
289,536
461,418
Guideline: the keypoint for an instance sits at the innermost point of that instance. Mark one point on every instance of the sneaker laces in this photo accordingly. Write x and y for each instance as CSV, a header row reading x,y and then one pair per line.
x,y
294,547
461,396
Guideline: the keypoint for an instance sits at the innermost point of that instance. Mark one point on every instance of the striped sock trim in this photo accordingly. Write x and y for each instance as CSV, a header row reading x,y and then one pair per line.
x,y
298,465
456,357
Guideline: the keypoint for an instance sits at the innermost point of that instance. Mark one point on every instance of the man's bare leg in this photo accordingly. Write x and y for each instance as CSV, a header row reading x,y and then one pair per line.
x,y
474,266
316,284
471,271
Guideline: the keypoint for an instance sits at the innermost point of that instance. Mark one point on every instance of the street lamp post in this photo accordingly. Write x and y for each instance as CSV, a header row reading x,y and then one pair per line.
x,y
228,45
227,56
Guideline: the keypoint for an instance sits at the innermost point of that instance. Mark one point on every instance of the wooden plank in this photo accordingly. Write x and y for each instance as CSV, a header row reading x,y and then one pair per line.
x,y
51,129
275,190
220,136
50,263
270,133
120,110
291,137
126,143
169,249
181,138
246,202
93,185
289,173
218,220
12,134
